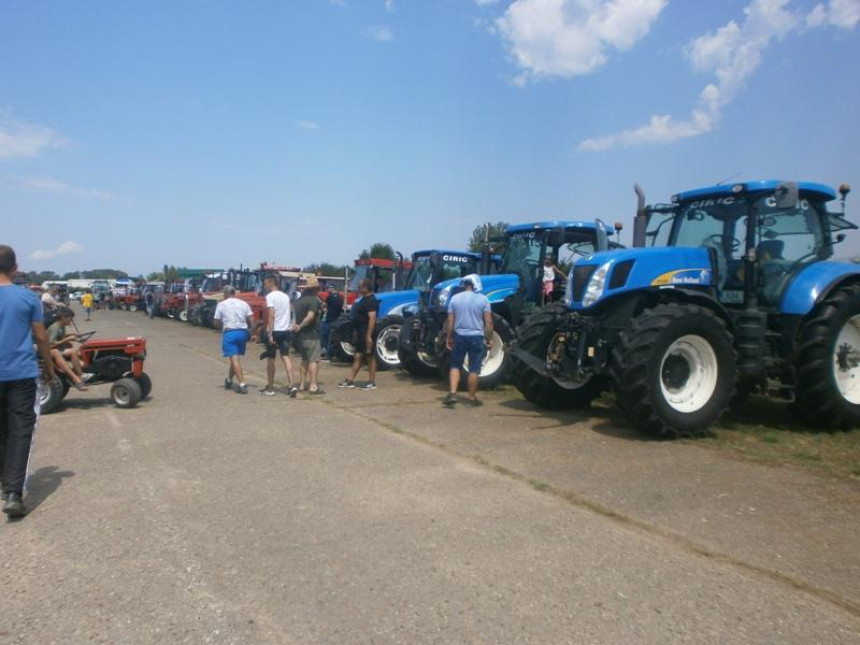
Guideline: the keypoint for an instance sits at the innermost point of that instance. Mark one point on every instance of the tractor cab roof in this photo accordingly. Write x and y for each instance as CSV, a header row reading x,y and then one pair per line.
x,y
566,224
725,190
425,252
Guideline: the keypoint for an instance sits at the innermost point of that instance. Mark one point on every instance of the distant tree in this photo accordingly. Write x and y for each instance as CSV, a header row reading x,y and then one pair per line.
x,y
325,268
71,275
379,250
155,276
103,274
497,234
38,277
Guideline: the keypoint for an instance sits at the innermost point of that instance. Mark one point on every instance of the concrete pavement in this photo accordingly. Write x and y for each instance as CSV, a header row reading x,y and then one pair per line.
x,y
378,517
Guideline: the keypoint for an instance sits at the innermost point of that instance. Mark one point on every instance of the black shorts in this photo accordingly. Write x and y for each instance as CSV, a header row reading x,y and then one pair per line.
x,y
282,341
360,340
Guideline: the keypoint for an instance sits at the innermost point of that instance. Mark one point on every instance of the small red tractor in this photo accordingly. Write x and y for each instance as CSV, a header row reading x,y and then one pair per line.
x,y
115,361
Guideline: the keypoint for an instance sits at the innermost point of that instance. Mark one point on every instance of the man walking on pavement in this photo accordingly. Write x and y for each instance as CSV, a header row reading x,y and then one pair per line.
x,y
21,324
235,317
364,313
469,327
279,335
307,313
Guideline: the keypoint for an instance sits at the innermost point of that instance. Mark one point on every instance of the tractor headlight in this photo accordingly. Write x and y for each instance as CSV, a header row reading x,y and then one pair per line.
x,y
595,286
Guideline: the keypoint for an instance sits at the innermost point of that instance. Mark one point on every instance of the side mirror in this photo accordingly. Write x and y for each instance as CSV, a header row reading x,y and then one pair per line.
x,y
555,237
787,196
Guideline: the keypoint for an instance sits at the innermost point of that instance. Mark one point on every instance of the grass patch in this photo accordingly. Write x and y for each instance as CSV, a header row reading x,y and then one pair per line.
x,y
769,432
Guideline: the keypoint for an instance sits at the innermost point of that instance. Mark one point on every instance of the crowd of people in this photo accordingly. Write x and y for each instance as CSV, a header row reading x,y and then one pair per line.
x,y
289,329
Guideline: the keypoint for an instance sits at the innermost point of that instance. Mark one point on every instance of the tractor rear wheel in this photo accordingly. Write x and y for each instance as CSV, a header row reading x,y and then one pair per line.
x,y
340,340
387,341
537,337
126,393
827,362
418,363
675,370
497,361
50,395
145,384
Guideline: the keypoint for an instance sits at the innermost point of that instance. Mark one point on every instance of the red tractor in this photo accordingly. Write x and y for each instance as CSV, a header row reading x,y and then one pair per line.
x,y
115,361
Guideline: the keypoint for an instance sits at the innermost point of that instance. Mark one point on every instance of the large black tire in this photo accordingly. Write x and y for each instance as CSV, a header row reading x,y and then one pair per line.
x,y
675,370
133,307
387,342
126,393
145,384
341,337
535,337
50,395
182,315
826,362
418,363
497,363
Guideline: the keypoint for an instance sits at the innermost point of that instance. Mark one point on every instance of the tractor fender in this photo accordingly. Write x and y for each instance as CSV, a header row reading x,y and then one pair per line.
x,y
814,283
393,302
621,309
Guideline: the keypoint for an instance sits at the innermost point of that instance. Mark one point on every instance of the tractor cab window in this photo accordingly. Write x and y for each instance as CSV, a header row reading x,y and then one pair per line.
x,y
421,276
523,257
659,225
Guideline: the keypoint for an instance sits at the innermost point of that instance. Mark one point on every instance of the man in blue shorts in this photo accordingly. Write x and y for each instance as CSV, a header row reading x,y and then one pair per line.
x,y
469,330
21,324
235,317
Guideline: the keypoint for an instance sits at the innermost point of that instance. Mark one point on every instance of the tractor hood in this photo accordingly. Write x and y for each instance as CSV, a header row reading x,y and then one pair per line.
x,y
495,287
612,273
393,302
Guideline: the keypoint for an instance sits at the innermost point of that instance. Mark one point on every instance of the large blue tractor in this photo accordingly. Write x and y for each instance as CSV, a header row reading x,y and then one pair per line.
x,y
738,295
428,268
513,293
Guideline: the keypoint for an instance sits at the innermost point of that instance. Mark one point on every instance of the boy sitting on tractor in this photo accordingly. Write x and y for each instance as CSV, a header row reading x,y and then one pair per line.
x,y
64,349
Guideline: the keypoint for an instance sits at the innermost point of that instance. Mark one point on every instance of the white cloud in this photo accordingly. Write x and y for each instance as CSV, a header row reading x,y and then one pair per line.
x,y
567,38
308,125
732,54
20,139
59,187
380,34
389,5
64,249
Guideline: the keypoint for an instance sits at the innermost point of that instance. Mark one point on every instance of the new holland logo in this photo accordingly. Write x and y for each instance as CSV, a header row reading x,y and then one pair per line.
x,y
682,277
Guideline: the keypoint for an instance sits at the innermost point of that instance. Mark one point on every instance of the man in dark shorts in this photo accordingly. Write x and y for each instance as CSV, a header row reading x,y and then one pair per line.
x,y
333,311
21,324
306,326
278,336
364,313
469,330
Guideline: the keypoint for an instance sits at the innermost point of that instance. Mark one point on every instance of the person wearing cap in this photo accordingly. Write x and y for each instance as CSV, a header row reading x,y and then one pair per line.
x,y
236,319
469,329
306,325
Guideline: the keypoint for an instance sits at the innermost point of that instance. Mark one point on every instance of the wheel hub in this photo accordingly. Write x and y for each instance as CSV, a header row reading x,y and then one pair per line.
x,y
676,372
846,360
688,373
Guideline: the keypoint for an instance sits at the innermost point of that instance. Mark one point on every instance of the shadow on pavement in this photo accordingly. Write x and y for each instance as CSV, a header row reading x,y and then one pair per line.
x,y
43,483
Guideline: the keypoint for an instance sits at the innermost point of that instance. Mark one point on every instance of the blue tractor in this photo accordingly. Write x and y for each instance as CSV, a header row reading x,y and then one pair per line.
x,y
738,294
514,293
428,268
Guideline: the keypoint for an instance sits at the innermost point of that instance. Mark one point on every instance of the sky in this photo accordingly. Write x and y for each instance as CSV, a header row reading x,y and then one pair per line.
x,y
214,133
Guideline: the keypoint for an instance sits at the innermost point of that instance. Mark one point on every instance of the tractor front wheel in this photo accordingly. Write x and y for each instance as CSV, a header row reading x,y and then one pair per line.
x,y
387,341
126,393
538,338
675,370
145,384
828,362
182,315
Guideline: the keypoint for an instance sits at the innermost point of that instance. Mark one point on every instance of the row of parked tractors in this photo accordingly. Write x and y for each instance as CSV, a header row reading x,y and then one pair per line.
x,y
727,290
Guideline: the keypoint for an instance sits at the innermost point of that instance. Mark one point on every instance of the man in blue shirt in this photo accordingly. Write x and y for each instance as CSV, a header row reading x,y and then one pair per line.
x,y
21,324
469,328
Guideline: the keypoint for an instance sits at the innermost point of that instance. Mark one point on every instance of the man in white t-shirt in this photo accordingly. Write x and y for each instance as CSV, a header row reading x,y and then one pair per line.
x,y
278,322
235,318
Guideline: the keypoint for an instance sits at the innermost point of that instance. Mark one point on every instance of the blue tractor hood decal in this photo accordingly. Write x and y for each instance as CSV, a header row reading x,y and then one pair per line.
x,y
648,268
495,287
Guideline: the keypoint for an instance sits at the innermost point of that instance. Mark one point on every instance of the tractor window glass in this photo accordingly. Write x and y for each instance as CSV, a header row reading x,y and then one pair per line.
x,y
659,227
789,236
572,253
523,257
421,275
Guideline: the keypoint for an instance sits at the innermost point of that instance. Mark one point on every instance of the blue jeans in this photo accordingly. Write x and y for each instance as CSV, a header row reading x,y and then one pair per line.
x,y
324,331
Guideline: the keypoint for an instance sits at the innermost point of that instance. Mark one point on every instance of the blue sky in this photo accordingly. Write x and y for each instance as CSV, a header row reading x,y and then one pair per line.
x,y
214,133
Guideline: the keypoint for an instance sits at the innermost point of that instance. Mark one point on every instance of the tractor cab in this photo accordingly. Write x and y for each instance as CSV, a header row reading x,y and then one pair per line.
x,y
431,267
384,275
759,235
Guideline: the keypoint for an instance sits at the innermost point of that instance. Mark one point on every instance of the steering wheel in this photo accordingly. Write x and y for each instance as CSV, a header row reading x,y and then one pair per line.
x,y
83,338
